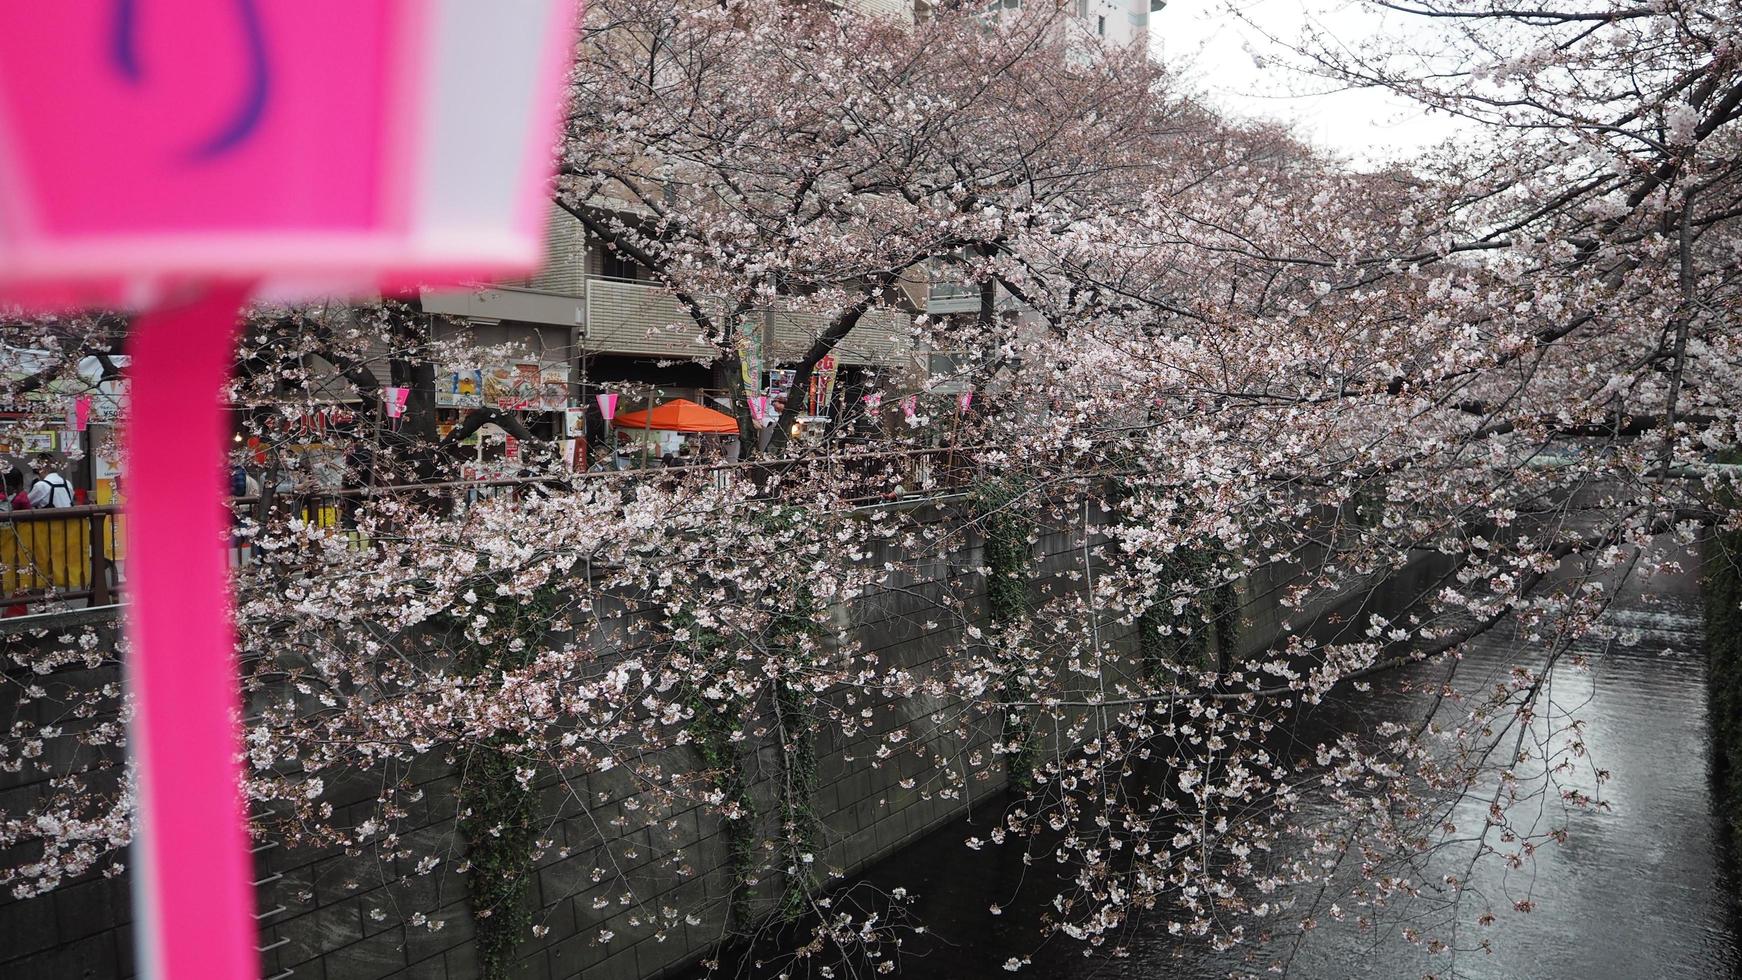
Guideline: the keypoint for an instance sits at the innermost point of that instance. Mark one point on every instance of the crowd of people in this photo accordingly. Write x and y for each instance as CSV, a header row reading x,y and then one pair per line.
x,y
45,487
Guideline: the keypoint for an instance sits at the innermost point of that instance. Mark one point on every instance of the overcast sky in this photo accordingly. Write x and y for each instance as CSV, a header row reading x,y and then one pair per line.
x,y
1220,55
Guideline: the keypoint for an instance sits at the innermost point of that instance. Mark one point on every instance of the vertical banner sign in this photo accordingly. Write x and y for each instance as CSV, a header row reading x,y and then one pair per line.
x,y
750,366
822,387
910,406
758,408
314,148
965,399
607,406
393,400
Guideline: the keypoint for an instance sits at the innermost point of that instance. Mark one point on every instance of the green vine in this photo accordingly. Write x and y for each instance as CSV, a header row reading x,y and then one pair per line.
x,y
792,628
1196,638
711,726
1007,523
499,823
498,814
1721,587
798,816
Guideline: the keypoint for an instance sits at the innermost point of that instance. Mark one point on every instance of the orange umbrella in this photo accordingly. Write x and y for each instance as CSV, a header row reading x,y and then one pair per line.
x,y
679,415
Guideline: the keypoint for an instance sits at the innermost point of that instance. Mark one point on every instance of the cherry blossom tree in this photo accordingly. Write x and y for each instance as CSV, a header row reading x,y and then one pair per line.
x,y
751,155
1247,385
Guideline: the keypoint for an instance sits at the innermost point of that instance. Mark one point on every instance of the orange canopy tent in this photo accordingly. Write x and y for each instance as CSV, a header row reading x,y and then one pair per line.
x,y
679,415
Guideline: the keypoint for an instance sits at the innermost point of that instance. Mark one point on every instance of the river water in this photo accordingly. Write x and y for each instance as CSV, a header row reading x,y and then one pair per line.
x,y
1640,891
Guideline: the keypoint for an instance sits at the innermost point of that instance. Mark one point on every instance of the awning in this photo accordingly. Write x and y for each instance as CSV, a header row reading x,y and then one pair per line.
x,y
679,415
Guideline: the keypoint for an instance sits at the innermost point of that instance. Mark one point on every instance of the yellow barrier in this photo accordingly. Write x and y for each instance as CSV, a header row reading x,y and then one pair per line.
x,y
323,516
54,554
49,554
114,529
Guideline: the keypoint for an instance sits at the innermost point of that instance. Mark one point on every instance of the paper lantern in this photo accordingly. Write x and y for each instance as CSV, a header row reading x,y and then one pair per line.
x,y
185,155
321,143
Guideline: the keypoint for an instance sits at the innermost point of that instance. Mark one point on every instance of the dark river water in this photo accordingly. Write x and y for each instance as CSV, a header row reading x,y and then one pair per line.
x,y
1642,890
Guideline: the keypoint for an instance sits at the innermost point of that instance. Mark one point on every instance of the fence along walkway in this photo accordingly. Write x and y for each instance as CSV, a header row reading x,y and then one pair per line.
x,y
73,555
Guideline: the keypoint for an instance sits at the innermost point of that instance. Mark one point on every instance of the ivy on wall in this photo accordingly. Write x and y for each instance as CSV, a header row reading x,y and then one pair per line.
x,y
1002,509
792,629
1721,586
1206,630
497,803
1203,633
711,727
715,728
498,821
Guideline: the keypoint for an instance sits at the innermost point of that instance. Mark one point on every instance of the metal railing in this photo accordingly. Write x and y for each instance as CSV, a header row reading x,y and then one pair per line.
x,y
50,553
66,557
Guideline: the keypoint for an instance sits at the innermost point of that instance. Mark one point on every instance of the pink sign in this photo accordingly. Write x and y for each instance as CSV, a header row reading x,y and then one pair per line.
x,y
81,413
330,142
910,406
607,406
758,408
965,399
393,400
185,154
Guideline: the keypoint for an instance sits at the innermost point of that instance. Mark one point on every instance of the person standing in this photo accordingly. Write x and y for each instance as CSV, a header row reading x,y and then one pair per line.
x,y
16,497
49,489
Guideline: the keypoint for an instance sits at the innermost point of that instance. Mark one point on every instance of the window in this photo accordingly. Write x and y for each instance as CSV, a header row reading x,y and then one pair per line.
x,y
615,266
1101,26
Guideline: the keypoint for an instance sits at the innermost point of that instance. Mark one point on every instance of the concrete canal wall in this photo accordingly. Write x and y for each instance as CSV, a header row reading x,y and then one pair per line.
x,y
325,915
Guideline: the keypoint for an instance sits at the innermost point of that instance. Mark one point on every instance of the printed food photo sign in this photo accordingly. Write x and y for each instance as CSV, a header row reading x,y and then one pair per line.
x,y
175,158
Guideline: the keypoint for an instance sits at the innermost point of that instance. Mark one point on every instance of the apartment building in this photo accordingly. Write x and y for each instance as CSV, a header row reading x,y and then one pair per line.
x,y
614,326
1118,22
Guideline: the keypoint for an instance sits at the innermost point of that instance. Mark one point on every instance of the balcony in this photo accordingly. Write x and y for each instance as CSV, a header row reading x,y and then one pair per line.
x,y
882,338
952,297
625,317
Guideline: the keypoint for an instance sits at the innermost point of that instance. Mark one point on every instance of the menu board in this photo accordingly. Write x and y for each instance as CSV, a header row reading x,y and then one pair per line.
x,y
526,386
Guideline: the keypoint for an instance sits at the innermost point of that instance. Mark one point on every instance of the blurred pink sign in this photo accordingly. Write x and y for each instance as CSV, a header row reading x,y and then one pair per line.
x,y
185,155
321,143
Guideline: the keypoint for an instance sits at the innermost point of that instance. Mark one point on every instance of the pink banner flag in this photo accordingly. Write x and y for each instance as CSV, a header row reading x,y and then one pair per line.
x,y
80,416
758,408
910,406
965,399
393,400
607,406
319,147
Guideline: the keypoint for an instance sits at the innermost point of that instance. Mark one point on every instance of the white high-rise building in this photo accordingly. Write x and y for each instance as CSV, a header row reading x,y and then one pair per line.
x,y
1119,22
